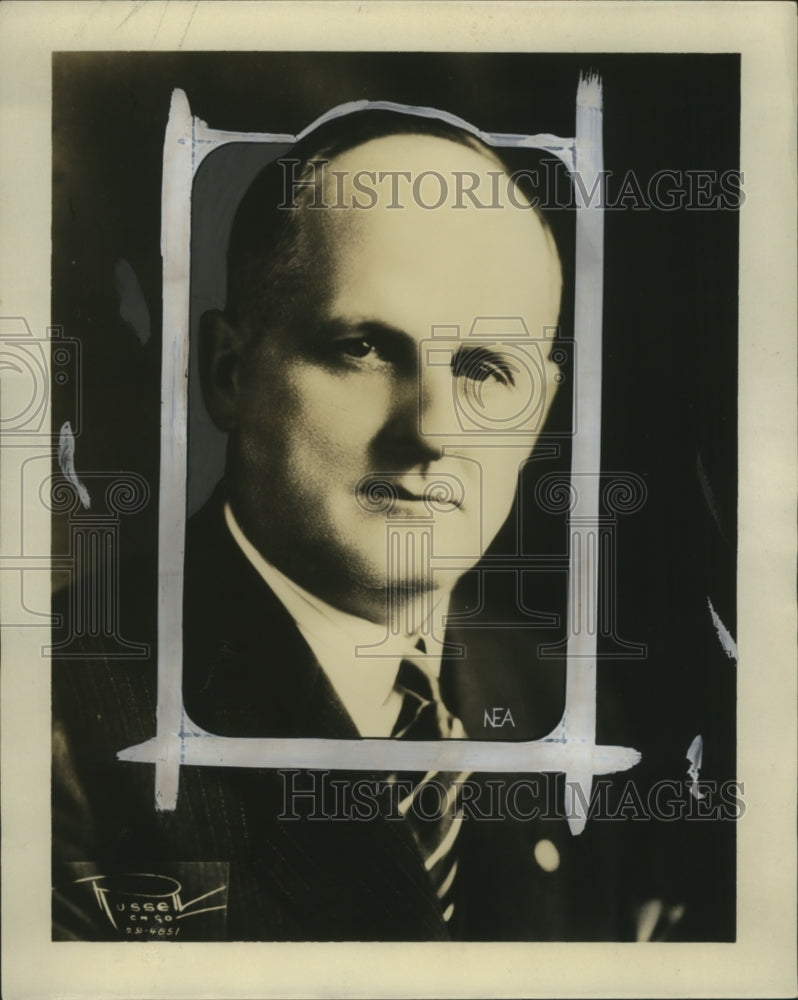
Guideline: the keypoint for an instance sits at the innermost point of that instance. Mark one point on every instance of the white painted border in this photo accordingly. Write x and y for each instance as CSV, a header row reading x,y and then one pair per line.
x,y
763,961
571,747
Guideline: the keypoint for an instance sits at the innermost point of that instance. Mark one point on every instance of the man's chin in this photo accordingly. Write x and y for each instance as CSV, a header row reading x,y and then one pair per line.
x,y
380,580
405,572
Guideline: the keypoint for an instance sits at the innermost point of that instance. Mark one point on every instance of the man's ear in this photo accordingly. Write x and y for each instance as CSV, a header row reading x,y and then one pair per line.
x,y
221,349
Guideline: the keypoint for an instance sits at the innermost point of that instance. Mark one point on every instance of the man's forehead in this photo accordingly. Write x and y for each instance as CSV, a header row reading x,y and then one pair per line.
x,y
427,172
434,152
398,185
398,217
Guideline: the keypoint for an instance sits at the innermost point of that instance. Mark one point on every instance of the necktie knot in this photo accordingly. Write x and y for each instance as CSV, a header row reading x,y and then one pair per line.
x,y
423,715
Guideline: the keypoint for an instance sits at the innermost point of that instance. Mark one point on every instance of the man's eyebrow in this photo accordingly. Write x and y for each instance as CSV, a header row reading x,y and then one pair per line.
x,y
391,342
338,326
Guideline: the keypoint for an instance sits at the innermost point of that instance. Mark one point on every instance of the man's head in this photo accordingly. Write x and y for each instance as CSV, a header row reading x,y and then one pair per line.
x,y
349,360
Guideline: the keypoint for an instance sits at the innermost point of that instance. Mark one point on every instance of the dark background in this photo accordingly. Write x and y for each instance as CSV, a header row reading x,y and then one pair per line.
x,y
670,337
671,279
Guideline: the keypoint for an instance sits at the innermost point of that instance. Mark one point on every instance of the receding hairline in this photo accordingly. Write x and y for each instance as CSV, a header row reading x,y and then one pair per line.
x,y
464,149
299,240
392,152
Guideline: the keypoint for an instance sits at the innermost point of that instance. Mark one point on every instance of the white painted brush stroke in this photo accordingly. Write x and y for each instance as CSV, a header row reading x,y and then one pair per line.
x,y
725,637
205,139
571,746
695,754
579,718
197,747
66,462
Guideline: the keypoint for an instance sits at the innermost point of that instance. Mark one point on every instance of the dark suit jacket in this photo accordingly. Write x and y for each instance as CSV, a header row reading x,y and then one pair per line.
x,y
248,672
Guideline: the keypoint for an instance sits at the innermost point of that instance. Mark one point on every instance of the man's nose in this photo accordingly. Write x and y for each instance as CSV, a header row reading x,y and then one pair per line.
x,y
437,416
421,415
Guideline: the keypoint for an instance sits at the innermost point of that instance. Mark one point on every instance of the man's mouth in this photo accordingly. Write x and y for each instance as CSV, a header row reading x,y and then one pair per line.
x,y
435,495
382,493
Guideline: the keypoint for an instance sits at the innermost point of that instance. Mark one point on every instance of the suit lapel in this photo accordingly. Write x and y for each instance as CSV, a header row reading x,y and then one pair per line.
x,y
249,673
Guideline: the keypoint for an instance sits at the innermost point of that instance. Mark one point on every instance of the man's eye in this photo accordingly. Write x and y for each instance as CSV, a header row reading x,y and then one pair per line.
x,y
369,351
356,347
481,364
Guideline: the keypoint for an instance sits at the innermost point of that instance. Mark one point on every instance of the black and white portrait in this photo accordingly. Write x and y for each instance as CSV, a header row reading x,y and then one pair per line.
x,y
394,429
396,497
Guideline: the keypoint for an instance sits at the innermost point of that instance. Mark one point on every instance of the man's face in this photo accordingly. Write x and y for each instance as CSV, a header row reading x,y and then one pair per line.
x,y
380,386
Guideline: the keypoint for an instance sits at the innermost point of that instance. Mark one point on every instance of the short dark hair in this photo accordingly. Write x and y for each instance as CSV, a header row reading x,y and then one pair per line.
x,y
271,256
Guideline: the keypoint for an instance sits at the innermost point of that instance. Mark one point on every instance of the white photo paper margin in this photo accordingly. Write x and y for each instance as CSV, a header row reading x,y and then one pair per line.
x,y
762,961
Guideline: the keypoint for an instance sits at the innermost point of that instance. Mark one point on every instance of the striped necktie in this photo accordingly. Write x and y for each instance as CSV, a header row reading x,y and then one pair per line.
x,y
431,806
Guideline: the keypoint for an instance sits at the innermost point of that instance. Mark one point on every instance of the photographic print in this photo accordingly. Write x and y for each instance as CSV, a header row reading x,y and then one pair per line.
x,y
405,472
388,441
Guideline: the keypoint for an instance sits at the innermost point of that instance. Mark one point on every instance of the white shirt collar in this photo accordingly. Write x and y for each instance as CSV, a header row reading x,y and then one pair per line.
x,y
359,657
